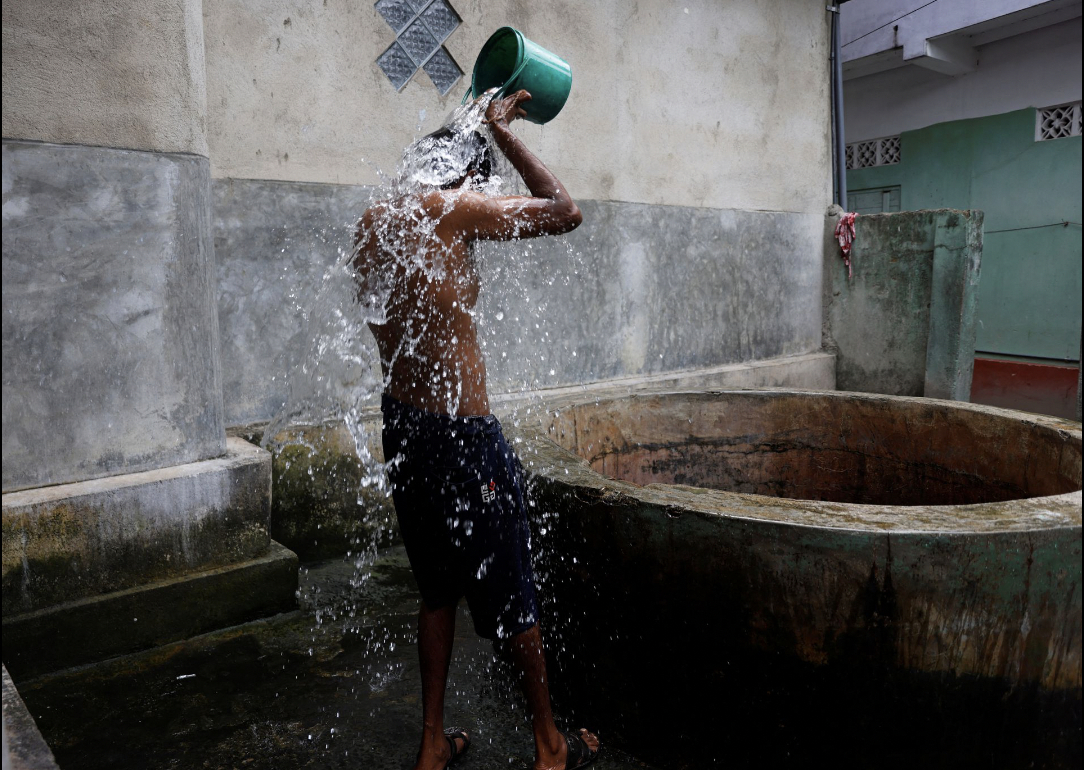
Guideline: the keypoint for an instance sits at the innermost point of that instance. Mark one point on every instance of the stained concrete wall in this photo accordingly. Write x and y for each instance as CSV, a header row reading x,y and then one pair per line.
x,y
110,335
695,140
722,105
273,242
904,323
636,290
111,347
113,73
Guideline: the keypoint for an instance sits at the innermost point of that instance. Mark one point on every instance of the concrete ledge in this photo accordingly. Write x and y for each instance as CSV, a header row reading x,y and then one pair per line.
x,y
90,630
24,748
320,509
812,371
77,540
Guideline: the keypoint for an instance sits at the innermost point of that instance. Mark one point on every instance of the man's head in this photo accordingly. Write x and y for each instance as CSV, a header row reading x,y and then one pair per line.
x,y
453,156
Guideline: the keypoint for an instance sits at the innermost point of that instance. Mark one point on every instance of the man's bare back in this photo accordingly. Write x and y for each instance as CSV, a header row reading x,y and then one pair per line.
x,y
429,343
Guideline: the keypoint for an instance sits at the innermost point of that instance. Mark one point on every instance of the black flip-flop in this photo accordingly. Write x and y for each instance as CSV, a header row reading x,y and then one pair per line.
x,y
450,735
579,753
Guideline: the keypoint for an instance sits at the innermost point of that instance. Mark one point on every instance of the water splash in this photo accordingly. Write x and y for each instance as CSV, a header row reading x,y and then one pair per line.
x,y
339,377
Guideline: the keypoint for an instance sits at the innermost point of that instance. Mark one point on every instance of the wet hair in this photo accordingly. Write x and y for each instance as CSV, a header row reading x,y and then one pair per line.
x,y
480,153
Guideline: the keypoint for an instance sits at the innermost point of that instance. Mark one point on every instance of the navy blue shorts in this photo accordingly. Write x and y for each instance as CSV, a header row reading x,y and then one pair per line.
x,y
458,496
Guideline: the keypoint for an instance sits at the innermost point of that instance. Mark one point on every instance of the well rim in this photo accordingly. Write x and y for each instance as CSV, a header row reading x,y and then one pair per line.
x,y
548,462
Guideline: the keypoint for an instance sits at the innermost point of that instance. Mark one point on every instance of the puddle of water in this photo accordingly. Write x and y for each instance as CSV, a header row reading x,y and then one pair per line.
x,y
289,692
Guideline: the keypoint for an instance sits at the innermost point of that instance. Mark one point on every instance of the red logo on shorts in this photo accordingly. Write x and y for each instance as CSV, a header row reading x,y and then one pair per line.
x,y
489,492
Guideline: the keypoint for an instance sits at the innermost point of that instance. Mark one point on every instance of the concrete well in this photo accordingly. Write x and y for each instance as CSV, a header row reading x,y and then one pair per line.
x,y
874,579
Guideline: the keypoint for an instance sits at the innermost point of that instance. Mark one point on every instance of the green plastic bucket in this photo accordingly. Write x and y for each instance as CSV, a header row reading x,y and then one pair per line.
x,y
511,62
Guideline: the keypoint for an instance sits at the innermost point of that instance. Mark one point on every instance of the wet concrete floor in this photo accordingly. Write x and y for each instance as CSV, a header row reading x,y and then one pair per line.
x,y
335,685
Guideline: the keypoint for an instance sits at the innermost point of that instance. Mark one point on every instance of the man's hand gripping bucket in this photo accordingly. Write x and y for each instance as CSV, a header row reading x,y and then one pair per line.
x,y
510,62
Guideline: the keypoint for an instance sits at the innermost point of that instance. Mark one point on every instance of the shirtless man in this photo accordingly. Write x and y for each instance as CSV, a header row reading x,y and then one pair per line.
x,y
455,481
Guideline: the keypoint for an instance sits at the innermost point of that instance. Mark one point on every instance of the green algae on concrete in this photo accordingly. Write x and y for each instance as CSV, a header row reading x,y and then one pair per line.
x,y
108,566
72,541
324,501
95,628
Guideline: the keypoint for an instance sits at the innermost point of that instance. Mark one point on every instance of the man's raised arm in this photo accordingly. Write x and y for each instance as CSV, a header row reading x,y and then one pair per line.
x,y
550,210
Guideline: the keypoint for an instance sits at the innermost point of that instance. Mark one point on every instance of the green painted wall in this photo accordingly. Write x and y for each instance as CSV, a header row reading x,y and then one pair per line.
x,y
1030,289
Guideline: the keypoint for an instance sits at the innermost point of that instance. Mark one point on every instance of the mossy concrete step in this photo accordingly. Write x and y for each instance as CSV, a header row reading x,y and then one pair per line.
x,y
95,628
78,540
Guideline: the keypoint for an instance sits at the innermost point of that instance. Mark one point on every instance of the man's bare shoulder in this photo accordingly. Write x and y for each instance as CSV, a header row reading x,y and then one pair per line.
x,y
440,203
452,212
434,203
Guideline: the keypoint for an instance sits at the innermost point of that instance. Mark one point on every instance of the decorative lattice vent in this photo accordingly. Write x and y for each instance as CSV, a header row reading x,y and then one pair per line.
x,y
421,27
1057,122
875,152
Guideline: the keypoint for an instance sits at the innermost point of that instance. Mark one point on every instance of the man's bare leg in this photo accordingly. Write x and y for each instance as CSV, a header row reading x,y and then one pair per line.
x,y
435,633
550,747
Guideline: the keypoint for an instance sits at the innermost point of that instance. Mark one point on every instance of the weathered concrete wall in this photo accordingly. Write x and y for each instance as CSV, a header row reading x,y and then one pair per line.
x,y
703,233
905,323
637,290
273,242
111,347
110,337
640,290
113,73
698,104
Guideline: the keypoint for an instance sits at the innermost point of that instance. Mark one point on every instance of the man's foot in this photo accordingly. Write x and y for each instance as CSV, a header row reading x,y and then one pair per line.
x,y
445,753
580,749
458,742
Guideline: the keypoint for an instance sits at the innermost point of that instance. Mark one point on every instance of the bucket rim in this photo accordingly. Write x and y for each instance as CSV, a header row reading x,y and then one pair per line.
x,y
497,35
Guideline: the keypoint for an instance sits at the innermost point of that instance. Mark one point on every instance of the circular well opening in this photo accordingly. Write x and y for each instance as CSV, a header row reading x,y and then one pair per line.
x,y
840,447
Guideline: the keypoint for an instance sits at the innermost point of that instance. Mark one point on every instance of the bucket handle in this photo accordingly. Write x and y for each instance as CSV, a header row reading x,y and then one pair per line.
x,y
499,93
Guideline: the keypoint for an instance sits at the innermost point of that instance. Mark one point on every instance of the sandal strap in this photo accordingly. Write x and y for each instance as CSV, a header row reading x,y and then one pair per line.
x,y
578,750
450,735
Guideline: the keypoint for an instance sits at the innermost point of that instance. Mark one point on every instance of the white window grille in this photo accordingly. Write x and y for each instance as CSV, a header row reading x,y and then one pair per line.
x,y
875,152
1057,122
